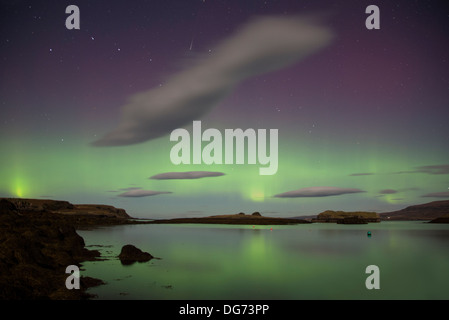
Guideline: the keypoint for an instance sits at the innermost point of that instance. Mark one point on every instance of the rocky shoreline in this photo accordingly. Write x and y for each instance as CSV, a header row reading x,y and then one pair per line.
x,y
38,241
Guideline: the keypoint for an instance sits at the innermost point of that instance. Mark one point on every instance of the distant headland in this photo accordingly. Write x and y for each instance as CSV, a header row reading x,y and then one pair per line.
x,y
430,211
241,218
86,215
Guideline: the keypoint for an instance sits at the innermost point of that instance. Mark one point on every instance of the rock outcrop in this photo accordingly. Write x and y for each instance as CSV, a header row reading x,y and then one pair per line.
x,y
35,250
80,216
99,210
65,207
39,204
130,254
38,241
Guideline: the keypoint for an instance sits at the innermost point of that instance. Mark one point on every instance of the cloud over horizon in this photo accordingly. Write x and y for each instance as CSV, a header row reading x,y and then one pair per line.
x,y
263,45
317,192
388,191
434,169
186,175
444,194
137,193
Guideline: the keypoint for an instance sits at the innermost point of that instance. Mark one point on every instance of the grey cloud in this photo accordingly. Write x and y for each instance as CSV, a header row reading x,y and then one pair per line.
x,y
265,44
388,191
317,192
124,189
410,189
444,194
137,193
438,169
130,188
186,175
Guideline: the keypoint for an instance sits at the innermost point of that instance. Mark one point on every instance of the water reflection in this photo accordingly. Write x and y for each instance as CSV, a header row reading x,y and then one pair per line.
x,y
289,262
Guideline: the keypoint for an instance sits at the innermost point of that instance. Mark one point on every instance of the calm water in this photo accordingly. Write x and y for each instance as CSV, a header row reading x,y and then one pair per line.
x,y
313,261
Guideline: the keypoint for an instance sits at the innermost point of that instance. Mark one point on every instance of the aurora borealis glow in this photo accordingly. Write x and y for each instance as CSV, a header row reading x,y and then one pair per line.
x,y
370,111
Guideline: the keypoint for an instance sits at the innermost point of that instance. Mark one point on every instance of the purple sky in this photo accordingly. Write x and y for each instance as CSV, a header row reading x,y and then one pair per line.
x,y
386,89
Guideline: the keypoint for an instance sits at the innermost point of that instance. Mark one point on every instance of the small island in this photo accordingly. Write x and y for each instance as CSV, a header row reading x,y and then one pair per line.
x,y
240,218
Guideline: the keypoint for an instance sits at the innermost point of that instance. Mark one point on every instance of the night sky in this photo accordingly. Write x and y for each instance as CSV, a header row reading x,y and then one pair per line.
x,y
362,120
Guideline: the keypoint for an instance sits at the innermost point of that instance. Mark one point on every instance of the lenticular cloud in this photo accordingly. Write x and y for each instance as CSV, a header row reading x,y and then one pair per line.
x,y
137,193
186,175
265,44
317,192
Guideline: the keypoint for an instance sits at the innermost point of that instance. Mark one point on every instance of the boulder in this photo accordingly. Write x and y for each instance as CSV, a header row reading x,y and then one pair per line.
x,y
131,254
256,214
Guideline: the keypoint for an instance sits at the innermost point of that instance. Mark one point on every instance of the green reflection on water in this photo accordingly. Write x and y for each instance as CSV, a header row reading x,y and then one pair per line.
x,y
316,261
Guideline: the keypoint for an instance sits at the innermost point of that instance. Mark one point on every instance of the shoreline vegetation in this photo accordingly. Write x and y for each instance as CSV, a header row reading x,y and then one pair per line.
x,y
38,239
